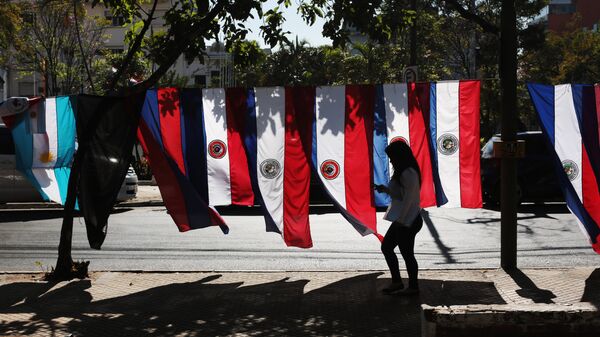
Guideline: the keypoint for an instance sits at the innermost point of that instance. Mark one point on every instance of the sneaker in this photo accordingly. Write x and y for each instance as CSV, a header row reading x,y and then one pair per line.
x,y
407,291
393,287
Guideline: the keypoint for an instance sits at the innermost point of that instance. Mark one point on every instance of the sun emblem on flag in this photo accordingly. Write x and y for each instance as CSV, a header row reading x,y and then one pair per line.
x,y
217,149
447,144
571,169
399,138
270,168
330,169
46,157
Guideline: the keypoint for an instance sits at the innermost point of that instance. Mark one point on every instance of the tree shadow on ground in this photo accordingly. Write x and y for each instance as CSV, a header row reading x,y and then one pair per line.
x,y
591,292
208,307
529,289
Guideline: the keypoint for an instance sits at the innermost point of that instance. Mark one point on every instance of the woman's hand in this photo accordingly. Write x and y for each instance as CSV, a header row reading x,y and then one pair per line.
x,y
380,188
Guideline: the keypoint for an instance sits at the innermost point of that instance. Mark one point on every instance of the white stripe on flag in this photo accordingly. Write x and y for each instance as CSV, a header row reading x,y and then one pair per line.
x,y
330,120
270,148
215,126
396,113
48,183
447,104
51,131
567,136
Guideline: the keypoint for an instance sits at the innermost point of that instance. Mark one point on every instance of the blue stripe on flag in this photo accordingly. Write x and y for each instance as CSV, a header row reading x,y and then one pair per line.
x,y
194,140
250,140
150,115
440,196
542,97
381,173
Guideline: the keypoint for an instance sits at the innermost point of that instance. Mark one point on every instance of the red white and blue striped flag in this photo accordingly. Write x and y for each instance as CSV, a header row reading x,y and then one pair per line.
x,y
399,116
343,151
454,132
569,117
278,140
171,133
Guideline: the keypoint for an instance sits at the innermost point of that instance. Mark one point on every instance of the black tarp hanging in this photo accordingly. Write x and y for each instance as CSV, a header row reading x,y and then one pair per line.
x,y
106,133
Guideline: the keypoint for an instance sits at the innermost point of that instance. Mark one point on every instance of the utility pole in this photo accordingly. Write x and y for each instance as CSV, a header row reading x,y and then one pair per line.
x,y
508,168
413,35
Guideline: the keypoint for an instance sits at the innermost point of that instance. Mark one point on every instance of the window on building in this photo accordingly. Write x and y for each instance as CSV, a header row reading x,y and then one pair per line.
x,y
25,89
215,73
200,81
562,9
115,20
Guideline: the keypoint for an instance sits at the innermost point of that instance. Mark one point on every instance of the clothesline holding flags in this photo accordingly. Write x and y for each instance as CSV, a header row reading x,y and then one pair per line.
x,y
244,146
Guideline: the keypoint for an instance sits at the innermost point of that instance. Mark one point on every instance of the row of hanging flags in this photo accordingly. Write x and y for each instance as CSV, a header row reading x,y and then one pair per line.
x,y
212,147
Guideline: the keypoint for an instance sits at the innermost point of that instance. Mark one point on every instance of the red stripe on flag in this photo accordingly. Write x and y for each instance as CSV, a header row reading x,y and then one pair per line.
x,y
170,124
358,164
470,177
299,109
165,178
591,195
237,109
420,146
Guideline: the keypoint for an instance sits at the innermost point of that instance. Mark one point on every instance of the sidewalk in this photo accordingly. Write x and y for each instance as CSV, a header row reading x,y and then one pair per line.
x,y
283,303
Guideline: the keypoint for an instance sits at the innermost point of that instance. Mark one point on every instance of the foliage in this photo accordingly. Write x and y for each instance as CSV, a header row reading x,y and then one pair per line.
x,y
48,42
10,26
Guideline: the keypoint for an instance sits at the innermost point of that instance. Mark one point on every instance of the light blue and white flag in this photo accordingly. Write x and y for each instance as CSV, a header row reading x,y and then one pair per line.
x,y
44,137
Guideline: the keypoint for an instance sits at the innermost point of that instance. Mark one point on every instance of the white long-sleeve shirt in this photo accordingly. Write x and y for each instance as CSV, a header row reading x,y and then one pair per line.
x,y
406,198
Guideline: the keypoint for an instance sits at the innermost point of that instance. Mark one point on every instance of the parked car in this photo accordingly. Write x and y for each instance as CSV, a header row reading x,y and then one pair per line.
x,y
536,175
14,187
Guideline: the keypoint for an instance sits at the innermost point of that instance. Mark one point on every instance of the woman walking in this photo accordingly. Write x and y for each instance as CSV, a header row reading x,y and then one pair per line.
x,y
405,213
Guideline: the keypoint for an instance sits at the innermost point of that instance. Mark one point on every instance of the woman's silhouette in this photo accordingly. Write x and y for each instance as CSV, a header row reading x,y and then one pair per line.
x,y
405,213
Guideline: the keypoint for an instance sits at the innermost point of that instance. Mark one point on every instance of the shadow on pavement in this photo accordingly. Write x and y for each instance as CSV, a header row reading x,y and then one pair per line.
x,y
41,214
529,289
445,250
591,292
207,307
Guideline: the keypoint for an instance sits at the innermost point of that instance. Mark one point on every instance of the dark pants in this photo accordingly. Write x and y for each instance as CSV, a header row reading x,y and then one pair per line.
x,y
404,238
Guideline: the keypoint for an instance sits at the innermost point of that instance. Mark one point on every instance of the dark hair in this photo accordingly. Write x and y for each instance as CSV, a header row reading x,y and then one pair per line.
x,y
401,157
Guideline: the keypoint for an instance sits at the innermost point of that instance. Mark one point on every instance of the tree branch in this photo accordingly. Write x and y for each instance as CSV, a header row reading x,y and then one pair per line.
x,y
176,52
85,63
465,13
133,48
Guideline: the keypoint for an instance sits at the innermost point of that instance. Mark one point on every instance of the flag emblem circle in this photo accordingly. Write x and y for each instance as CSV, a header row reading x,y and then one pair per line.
x,y
217,149
399,138
571,169
270,168
447,144
330,169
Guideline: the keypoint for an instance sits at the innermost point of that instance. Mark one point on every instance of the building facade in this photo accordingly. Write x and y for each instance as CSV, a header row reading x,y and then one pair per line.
x,y
559,15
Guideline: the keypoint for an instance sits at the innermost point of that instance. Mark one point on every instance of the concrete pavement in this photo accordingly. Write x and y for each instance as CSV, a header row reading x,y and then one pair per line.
x,y
300,304
458,302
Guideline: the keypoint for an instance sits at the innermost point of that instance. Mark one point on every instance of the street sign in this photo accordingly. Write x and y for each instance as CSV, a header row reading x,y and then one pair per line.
x,y
411,74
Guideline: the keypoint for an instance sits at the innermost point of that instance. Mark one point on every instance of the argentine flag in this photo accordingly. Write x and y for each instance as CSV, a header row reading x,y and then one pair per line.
x,y
44,137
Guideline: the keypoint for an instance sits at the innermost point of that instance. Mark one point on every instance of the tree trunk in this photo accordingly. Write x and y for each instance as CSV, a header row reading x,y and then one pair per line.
x,y
508,170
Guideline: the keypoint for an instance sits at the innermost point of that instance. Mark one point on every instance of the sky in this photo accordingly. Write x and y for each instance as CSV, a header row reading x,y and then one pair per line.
x,y
293,23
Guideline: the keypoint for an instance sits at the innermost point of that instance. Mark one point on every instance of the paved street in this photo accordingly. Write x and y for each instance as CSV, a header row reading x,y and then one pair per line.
x,y
145,238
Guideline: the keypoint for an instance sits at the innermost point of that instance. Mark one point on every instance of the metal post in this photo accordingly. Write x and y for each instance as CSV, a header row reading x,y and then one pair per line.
x,y
508,170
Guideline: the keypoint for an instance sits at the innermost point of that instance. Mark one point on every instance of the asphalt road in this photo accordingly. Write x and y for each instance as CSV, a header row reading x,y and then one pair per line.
x,y
145,238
